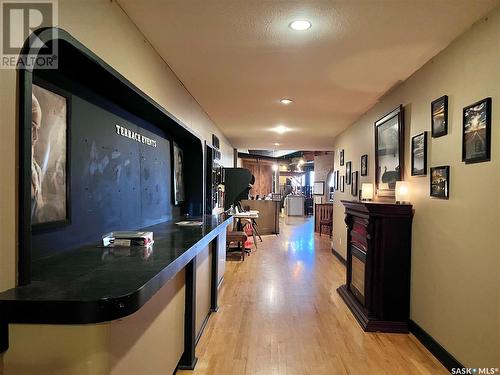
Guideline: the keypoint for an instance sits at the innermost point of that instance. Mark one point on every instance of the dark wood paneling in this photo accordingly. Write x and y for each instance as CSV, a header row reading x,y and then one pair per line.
x,y
380,235
322,211
263,172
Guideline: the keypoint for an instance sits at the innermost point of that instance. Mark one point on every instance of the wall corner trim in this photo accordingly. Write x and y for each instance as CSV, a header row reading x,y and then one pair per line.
x,y
441,354
339,256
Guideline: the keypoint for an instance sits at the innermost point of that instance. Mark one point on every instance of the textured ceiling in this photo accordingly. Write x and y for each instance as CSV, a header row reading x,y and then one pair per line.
x,y
238,58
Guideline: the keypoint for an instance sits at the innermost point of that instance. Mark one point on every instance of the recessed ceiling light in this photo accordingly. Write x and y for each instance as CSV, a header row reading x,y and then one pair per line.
x,y
300,25
276,144
280,129
286,101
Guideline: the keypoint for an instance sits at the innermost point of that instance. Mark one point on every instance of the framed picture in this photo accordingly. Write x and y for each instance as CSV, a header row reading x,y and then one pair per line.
x,y
389,158
50,156
178,172
319,188
419,154
364,165
440,182
476,133
348,167
439,117
341,158
354,184
342,185
336,180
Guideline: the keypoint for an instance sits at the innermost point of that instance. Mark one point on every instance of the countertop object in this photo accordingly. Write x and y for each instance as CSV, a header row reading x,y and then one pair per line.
x,y
91,285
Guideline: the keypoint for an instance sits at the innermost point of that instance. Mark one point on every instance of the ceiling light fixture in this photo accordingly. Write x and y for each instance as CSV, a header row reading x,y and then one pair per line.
x,y
286,101
276,144
300,25
280,129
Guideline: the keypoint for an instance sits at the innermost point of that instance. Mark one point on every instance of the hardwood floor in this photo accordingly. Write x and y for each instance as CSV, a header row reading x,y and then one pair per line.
x,y
280,314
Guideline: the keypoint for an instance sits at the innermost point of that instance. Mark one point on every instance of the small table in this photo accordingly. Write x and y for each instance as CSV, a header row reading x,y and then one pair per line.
x,y
252,215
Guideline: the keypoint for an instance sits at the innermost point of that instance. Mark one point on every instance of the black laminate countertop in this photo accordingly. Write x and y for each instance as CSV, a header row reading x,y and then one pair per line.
x,y
92,284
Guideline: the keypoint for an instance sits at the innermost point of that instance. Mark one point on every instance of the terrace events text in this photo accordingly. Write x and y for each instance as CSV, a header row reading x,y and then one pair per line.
x,y
124,132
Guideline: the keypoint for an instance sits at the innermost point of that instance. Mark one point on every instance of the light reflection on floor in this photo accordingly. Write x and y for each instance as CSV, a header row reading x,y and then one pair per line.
x,y
296,245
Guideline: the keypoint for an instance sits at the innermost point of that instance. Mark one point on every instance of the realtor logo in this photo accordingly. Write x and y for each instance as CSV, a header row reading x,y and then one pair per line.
x,y
19,19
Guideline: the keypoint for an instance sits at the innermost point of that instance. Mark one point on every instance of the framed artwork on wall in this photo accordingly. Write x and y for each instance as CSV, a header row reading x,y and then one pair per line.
x,y
419,154
476,132
354,185
336,180
348,167
439,117
440,182
50,156
389,156
319,188
342,184
364,165
178,174
341,158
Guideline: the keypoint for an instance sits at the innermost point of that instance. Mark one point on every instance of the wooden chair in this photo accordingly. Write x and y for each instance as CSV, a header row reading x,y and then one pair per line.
x,y
325,219
240,238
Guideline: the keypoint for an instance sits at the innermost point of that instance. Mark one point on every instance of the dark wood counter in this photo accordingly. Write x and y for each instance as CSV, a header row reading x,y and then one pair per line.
x,y
91,285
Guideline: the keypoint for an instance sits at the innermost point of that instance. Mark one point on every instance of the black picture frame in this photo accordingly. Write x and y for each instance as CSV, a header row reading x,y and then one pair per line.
x,y
440,182
348,167
364,165
476,132
336,180
354,184
342,184
389,144
178,188
50,225
419,154
439,117
341,158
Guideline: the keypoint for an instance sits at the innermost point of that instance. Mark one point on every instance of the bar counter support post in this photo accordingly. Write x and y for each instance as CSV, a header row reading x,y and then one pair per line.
x,y
214,247
188,359
4,330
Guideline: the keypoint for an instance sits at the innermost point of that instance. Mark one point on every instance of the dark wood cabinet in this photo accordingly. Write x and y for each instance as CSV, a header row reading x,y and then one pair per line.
x,y
377,288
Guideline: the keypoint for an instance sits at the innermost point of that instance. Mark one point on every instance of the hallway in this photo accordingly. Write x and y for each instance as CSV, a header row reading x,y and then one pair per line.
x,y
280,314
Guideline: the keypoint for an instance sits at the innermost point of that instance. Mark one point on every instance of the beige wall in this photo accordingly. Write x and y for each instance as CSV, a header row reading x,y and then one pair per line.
x,y
455,293
203,287
323,164
150,341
